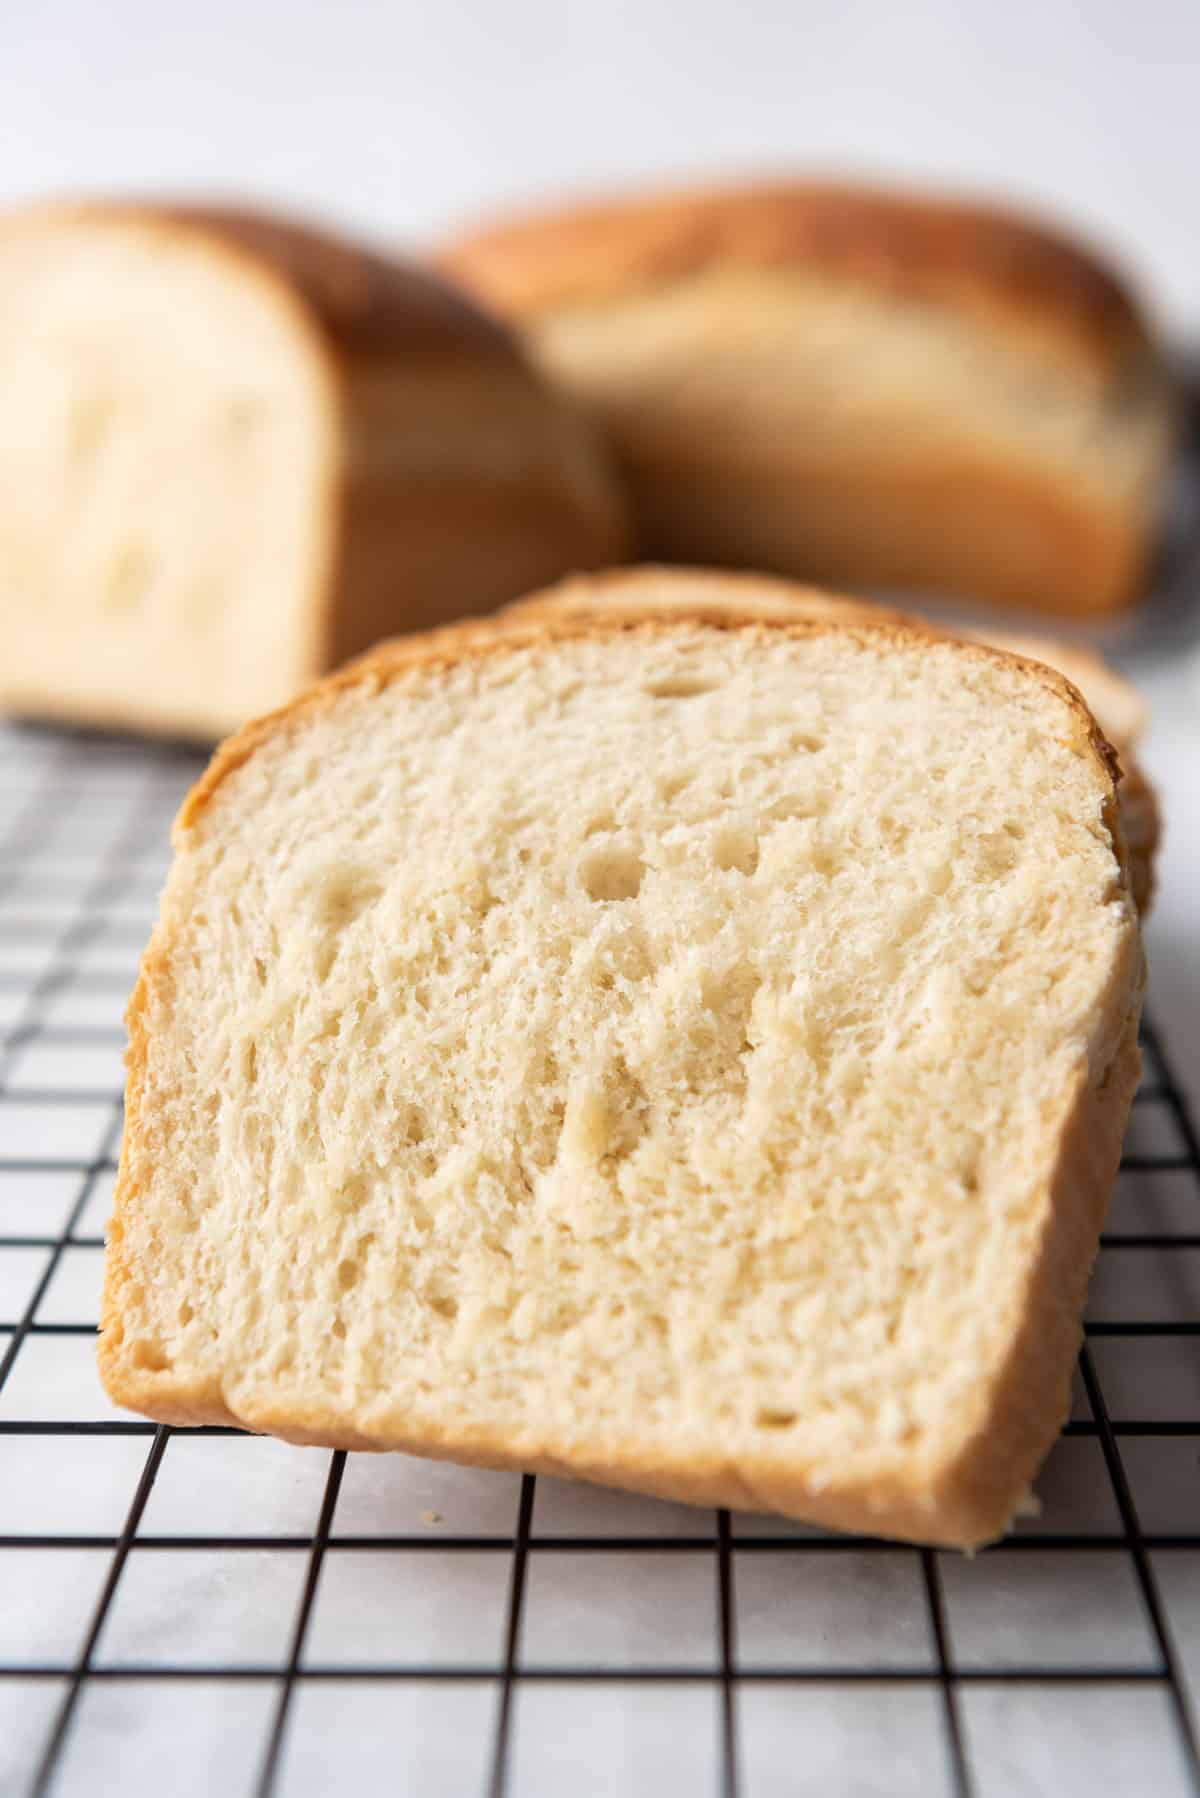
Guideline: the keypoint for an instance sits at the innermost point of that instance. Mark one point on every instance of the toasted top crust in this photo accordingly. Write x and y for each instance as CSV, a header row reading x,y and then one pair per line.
x,y
541,628
980,258
364,304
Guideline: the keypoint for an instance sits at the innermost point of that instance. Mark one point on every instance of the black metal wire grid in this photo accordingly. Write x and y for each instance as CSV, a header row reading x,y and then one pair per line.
x,y
82,848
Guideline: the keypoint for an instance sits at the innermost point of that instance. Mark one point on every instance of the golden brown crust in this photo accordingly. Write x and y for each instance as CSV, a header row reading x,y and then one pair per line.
x,y
977,256
967,521
962,1503
1141,821
707,594
367,303
364,303
417,552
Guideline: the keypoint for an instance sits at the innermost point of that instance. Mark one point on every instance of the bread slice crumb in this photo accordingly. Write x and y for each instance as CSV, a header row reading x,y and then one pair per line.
x,y
686,1054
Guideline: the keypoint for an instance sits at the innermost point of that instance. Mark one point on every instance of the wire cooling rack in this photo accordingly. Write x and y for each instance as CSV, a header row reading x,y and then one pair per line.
x,y
200,1611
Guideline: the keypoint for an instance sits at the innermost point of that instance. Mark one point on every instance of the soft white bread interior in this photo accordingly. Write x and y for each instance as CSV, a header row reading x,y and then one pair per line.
x,y
1122,715
884,390
688,1055
1114,702
234,451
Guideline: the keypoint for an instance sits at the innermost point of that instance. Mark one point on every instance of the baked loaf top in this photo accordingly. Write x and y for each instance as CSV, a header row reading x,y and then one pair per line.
x,y
983,259
363,302
685,1053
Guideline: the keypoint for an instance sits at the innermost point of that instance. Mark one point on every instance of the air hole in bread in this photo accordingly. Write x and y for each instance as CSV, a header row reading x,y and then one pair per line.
x,y
670,786
149,1356
351,1193
604,1120
681,685
130,579
768,1419
613,872
737,850
997,854
92,417
791,805
484,900
337,899
245,414
342,897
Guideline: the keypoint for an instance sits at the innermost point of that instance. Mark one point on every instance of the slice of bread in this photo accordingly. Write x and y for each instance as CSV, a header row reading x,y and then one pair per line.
x,y
234,452
896,391
686,1054
1114,702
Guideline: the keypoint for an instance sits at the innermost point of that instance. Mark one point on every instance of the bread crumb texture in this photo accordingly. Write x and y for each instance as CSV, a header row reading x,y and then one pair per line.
x,y
632,1051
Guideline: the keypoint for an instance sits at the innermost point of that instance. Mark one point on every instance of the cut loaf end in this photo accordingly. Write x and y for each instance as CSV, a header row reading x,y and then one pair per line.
x,y
234,451
167,488
686,1056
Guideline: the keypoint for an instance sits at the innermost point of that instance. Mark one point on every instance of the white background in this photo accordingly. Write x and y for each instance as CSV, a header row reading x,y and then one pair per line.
x,y
401,120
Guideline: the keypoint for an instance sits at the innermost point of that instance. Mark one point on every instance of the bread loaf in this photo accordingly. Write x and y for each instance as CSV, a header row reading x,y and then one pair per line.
x,y
234,451
1115,703
686,1054
886,390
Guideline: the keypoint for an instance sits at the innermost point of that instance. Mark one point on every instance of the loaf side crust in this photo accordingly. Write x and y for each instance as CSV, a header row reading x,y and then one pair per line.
x,y
932,517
